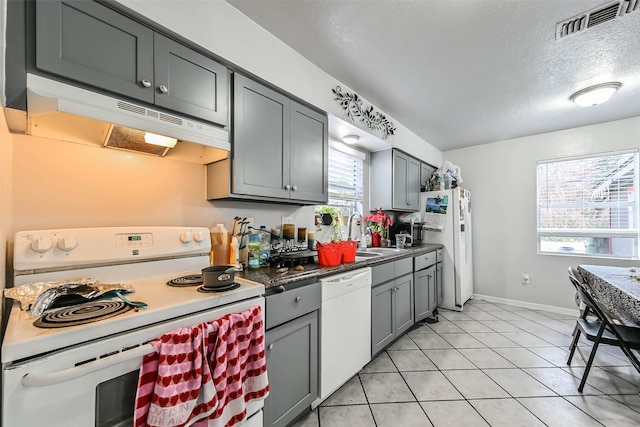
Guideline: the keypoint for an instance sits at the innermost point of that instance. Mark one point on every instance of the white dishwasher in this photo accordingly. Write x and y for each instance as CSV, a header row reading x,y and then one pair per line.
x,y
345,328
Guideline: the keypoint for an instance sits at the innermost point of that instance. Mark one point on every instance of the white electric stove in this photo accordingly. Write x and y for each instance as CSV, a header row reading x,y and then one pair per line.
x,y
68,376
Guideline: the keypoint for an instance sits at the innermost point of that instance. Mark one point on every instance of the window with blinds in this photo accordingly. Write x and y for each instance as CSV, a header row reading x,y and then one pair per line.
x,y
588,206
346,179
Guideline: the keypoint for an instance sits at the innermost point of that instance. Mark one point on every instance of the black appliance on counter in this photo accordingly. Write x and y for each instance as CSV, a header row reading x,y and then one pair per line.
x,y
414,230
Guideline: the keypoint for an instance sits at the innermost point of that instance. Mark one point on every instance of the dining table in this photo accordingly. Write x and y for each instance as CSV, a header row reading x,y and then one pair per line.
x,y
617,288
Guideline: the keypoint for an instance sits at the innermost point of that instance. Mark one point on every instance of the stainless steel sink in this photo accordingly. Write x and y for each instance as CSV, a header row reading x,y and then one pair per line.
x,y
378,251
364,254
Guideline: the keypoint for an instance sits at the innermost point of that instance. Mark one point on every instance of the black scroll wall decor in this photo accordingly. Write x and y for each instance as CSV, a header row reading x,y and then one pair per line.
x,y
352,104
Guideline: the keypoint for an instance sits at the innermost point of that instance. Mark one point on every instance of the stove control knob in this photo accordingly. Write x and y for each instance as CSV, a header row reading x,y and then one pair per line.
x,y
185,237
67,243
41,244
198,236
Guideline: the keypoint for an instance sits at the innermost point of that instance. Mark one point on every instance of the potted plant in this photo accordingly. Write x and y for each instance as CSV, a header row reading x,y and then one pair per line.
x,y
330,215
379,224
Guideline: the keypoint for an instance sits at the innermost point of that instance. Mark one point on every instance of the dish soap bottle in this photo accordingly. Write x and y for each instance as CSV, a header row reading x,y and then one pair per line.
x,y
367,237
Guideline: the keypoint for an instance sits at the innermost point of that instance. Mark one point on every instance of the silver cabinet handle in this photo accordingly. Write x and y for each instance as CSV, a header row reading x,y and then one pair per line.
x,y
163,89
270,347
298,299
294,188
287,187
145,83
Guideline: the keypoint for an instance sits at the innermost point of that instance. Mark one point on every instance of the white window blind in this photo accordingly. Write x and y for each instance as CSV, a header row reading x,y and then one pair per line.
x,y
589,205
346,179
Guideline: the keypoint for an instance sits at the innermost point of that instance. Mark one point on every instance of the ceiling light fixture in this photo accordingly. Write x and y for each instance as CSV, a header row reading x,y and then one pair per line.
x,y
161,140
350,139
594,95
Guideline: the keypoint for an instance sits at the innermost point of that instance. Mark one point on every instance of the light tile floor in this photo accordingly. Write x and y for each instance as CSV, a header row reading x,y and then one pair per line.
x,y
492,364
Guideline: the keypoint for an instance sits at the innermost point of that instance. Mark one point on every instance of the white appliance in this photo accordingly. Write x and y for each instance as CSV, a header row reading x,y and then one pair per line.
x,y
86,375
447,220
345,329
50,97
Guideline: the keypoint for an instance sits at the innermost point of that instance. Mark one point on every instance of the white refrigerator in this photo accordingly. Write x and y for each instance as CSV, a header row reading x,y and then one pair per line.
x,y
446,216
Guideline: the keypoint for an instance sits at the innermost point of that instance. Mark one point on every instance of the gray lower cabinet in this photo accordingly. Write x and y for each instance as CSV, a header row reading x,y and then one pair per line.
x,y
90,43
279,150
425,292
292,363
439,270
291,344
395,181
391,303
425,282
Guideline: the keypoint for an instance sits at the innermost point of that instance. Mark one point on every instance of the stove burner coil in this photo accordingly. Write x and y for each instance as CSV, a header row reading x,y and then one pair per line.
x,y
81,314
229,287
188,280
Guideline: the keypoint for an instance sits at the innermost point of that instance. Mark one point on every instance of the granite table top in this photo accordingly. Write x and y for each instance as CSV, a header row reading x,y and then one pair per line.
x,y
617,288
271,277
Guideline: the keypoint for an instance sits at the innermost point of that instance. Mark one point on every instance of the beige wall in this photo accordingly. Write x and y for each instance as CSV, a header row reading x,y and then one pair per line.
x,y
60,184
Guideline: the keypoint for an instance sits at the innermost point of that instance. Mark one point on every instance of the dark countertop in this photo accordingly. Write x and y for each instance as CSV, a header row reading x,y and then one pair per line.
x,y
269,277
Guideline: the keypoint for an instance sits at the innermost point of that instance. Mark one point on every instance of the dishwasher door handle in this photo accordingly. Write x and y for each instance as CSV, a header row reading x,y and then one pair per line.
x,y
347,278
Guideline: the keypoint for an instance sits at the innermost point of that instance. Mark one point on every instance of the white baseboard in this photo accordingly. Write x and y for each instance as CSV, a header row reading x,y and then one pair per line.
x,y
530,305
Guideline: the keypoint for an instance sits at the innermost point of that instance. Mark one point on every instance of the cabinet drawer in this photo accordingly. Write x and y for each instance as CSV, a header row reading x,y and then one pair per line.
x,y
439,255
382,273
423,261
288,305
403,266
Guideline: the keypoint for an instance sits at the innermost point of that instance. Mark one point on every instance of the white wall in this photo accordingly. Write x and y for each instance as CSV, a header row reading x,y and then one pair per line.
x,y
502,178
223,30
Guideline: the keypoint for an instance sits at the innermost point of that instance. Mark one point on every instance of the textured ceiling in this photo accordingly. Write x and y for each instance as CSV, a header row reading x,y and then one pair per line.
x,y
462,73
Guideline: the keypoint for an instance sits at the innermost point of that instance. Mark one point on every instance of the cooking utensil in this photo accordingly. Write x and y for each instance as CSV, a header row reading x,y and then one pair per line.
x,y
135,304
217,276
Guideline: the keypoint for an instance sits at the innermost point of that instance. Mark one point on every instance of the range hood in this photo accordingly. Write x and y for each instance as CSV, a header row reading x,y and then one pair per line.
x,y
62,111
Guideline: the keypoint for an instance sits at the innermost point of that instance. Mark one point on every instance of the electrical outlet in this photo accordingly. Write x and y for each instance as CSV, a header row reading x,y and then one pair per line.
x,y
526,279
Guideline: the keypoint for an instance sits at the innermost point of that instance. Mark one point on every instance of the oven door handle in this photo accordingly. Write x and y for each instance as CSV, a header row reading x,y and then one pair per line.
x,y
58,377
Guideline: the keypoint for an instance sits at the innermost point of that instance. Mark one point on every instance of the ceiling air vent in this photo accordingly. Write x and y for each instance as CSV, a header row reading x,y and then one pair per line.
x,y
603,15
594,17
629,6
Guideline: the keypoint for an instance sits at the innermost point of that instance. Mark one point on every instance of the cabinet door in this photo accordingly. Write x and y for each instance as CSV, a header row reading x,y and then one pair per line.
x,y
309,142
413,184
424,292
382,316
400,167
189,82
260,148
426,170
94,45
438,283
403,303
292,363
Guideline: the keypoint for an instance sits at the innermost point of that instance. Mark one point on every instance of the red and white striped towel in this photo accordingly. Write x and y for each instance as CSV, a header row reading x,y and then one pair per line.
x,y
175,386
238,365
195,376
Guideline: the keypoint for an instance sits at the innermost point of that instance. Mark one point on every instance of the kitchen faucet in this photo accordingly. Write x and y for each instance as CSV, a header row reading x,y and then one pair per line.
x,y
350,226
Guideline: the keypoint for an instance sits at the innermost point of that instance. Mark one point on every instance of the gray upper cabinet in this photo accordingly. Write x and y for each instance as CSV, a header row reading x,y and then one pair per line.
x,y
260,140
189,82
90,43
279,151
395,181
309,157
426,170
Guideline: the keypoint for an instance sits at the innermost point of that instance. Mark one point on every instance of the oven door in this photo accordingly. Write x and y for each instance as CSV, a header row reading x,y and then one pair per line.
x,y
91,384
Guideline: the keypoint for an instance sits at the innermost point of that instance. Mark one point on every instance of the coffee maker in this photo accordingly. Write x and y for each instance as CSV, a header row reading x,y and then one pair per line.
x,y
399,228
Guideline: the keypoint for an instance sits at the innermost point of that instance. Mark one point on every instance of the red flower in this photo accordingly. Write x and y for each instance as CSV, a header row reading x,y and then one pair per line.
x,y
380,218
